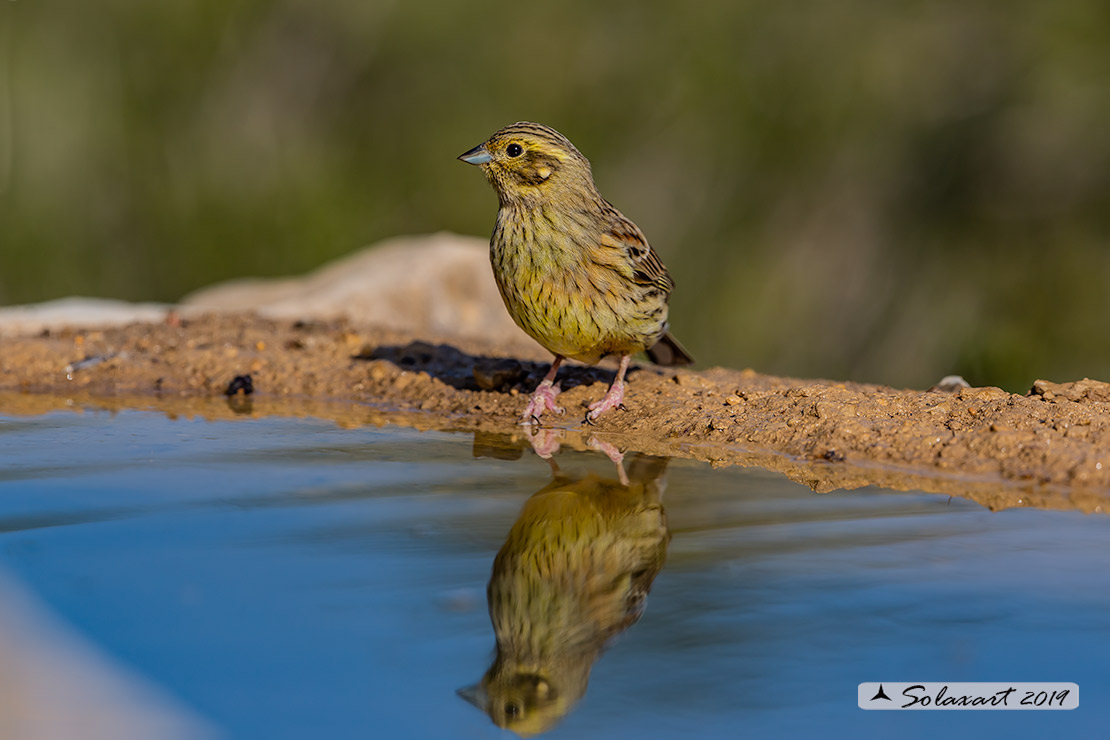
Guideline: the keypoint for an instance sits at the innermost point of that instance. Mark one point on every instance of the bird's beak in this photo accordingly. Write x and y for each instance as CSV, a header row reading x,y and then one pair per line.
x,y
474,694
477,155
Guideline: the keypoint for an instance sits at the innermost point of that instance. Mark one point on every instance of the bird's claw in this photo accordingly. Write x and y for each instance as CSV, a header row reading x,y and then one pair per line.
x,y
611,452
545,442
542,400
614,399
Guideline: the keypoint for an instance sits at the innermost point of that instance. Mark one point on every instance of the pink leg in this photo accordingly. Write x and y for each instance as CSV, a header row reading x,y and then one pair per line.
x,y
546,442
614,397
612,453
543,399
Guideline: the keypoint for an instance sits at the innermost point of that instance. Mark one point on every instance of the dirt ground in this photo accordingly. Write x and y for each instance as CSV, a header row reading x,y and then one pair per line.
x,y
1048,448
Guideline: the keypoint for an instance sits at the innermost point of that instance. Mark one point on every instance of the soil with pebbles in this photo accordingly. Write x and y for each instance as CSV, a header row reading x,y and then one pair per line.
x,y
1049,447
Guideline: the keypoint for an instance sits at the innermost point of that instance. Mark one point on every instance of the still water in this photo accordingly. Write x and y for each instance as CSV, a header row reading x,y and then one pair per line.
x,y
287,578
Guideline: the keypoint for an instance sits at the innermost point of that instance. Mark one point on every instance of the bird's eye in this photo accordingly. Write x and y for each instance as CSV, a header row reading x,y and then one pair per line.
x,y
514,150
511,710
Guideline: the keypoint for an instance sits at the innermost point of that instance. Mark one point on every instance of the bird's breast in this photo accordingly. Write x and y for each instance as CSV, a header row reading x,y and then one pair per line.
x,y
567,302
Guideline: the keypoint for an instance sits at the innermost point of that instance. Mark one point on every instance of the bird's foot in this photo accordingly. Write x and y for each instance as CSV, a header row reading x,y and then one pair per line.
x,y
546,442
611,452
613,399
542,400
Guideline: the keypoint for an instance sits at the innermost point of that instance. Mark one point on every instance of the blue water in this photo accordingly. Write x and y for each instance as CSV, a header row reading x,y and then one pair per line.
x,y
285,578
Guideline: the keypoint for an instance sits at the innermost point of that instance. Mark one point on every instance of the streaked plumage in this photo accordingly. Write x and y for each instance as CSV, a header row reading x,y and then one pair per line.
x,y
575,274
574,572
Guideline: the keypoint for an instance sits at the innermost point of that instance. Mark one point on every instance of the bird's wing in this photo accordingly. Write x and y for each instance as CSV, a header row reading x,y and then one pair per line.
x,y
626,238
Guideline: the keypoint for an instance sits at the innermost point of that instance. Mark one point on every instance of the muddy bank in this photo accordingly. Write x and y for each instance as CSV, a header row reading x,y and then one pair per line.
x,y
1050,447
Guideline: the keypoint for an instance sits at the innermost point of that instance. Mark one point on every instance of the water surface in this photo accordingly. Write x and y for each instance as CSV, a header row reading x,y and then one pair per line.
x,y
286,578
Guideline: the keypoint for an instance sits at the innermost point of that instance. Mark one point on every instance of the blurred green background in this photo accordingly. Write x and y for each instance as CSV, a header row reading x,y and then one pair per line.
x,y
858,190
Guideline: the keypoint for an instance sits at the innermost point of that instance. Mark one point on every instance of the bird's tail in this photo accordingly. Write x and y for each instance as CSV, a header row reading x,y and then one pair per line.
x,y
667,351
647,468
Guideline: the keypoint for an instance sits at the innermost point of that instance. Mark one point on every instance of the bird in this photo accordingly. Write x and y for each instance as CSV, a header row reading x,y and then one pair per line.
x,y
574,572
575,274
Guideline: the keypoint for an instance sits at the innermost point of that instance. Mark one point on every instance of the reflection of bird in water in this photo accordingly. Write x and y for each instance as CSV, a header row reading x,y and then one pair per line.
x,y
574,571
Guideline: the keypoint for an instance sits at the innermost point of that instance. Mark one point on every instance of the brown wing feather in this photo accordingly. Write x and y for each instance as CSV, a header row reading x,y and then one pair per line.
x,y
625,249
623,235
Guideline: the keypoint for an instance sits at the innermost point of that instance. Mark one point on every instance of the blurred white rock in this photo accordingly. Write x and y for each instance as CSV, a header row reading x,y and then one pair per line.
x,y
76,311
433,285
438,284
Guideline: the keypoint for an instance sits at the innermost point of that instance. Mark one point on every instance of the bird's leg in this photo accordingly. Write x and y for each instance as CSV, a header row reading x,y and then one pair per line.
x,y
613,454
614,397
546,442
543,398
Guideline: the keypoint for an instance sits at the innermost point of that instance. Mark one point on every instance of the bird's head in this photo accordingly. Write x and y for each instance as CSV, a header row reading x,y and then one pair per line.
x,y
526,703
530,162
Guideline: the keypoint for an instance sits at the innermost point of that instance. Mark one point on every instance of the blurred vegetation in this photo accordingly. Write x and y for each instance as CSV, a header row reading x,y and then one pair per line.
x,y
859,190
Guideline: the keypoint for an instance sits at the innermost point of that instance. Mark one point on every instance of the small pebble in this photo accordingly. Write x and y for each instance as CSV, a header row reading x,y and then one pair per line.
x,y
240,383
